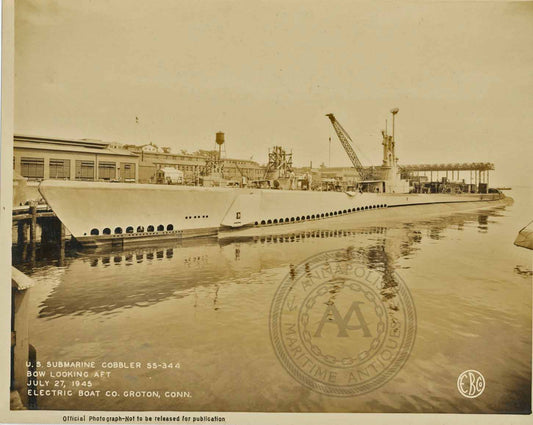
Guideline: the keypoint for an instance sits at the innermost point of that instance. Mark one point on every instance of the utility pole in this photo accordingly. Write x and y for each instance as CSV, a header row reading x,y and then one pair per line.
x,y
329,162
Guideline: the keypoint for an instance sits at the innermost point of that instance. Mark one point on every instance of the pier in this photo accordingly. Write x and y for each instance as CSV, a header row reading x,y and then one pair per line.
x,y
450,173
479,171
37,223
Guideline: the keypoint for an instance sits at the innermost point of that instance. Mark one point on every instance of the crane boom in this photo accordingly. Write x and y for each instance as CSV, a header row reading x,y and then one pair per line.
x,y
239,170
346,141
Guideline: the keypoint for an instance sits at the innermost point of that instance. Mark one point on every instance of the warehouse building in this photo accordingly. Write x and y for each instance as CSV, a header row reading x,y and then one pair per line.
x,y
38,158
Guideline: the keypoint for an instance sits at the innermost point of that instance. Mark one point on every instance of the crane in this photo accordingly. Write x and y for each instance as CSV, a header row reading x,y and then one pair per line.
x,y
346,141
240,171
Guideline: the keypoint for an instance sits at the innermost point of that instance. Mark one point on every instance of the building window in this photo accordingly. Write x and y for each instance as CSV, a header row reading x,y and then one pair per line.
x,y
84,170
60,168
128,171
32,168
107,170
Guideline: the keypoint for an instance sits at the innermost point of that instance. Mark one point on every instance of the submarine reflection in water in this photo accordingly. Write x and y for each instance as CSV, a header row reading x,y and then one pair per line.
x,y
108,282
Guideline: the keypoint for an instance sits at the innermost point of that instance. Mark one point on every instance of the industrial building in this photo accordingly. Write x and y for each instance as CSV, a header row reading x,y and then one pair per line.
x,y
349,175
153,158
193,165
235,169
38,158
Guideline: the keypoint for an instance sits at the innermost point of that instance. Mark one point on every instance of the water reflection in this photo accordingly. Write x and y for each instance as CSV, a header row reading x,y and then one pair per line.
x,y
28,257
483,221
107,282
128,257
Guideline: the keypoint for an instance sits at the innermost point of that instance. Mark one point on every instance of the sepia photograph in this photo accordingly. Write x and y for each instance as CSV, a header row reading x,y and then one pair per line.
x,y
267,207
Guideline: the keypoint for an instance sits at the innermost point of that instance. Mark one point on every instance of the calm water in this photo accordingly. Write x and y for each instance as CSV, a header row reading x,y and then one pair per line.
x,y
205,304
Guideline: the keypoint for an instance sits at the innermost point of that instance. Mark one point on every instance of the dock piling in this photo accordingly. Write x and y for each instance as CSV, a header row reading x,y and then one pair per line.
x,y
33,224
22,232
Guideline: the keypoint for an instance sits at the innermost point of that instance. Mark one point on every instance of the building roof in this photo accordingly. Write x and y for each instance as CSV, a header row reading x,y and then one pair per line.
x,y
177,161
171,170
233,160
471,166
65,145
98,144
168,154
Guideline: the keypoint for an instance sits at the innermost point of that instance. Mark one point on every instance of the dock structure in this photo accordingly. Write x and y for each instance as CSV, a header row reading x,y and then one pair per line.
x,y
478,172
37,223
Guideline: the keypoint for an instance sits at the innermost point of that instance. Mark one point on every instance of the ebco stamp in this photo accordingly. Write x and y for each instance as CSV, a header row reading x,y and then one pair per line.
x,y
471,383
341,325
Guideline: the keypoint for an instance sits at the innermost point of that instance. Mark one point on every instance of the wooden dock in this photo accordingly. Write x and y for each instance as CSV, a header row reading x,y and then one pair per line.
x,y
37,224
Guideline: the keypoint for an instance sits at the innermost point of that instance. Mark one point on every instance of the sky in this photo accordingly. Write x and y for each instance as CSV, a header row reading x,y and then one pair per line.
x,y
266,73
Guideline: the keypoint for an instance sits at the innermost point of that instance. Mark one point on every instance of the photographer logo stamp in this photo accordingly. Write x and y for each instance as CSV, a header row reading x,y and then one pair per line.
x,y
471,383
340,326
